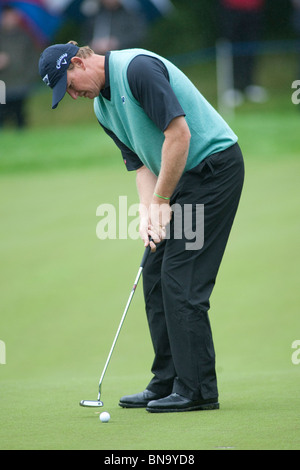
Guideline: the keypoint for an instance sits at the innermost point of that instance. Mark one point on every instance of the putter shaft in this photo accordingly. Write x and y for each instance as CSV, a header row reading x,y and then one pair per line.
x,y
91,403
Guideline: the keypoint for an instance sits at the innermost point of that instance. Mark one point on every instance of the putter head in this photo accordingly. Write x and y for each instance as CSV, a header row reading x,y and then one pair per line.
x,y
91,403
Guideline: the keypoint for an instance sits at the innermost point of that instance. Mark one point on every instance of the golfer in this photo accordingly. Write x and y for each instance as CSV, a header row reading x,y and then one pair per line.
x,y
188,163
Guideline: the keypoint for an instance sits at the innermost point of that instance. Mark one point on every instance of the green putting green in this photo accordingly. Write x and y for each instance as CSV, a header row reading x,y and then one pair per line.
x,y
63,292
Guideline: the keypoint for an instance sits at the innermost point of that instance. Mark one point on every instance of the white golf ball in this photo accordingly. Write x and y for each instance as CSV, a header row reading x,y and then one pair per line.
x,y
104,417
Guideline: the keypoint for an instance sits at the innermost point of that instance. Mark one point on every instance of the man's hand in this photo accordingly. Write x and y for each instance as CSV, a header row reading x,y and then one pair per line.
x,y
160,214
154,222
144,231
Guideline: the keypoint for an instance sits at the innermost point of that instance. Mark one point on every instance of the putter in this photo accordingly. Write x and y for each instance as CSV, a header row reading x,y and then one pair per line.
x,y
98,403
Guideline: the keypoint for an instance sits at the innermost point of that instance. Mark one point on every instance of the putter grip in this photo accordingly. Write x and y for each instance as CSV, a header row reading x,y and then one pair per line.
x,y
146,254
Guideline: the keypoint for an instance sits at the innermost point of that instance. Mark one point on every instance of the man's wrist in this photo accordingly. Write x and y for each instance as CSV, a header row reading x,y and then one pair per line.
x,y
164,198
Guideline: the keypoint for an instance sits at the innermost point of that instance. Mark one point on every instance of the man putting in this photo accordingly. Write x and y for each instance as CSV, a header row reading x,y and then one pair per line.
x,y
185,156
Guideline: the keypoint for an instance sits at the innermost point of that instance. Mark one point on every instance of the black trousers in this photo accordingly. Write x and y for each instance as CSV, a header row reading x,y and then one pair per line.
x,y
179,277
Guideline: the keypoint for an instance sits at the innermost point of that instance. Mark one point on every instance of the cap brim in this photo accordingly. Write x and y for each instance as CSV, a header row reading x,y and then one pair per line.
x,y
59,91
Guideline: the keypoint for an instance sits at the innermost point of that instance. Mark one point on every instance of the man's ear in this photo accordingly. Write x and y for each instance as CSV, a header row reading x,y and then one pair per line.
x,y
78,62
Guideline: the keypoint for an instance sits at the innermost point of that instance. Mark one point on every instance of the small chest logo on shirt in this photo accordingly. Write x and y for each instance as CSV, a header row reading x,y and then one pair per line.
x,y
123,99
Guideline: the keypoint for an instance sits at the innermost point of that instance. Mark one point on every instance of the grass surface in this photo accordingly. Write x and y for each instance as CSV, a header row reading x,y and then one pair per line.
x,y
63,292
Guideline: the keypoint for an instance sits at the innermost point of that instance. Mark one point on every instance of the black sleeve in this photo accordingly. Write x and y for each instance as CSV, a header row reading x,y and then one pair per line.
x,y
149,82
131,160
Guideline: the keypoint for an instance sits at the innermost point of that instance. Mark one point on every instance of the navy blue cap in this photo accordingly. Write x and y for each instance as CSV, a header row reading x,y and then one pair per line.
x,y
53,67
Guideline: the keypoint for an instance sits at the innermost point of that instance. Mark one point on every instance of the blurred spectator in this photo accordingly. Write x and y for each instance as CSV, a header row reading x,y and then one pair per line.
x,y
18,59
152,10
241,22
296,16
110,26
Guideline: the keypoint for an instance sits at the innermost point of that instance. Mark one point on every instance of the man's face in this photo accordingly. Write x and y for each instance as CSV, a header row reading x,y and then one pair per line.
x,y
81,82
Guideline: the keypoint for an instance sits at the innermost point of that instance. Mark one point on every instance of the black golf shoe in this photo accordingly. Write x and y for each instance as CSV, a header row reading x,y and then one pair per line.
x,y
139,400
174,403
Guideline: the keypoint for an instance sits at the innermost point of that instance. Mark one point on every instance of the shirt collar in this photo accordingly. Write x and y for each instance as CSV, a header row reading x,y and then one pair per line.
x,y
106,90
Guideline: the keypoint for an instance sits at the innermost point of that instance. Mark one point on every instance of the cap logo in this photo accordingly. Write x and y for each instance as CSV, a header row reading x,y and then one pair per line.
x,y
61,61
46,80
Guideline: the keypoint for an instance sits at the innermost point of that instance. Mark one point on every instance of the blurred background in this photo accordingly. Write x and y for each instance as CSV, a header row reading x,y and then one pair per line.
x,y
62,290
237,51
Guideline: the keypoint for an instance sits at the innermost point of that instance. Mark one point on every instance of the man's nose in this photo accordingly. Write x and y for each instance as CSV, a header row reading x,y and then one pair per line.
x,y
73,94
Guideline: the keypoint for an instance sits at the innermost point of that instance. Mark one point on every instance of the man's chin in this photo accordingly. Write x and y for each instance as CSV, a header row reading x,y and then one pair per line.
x,y
91,96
